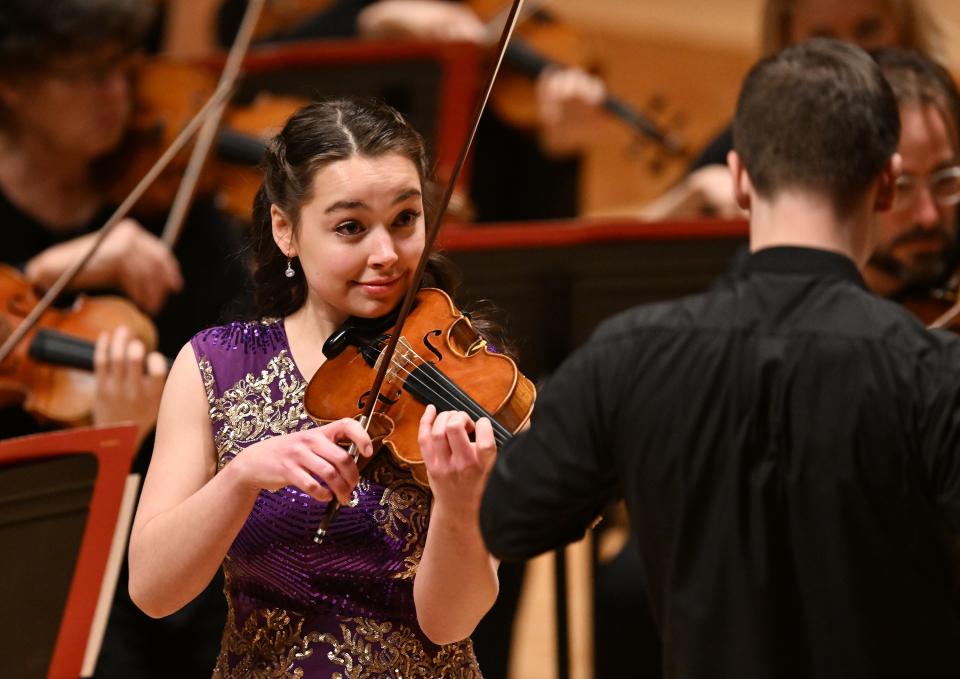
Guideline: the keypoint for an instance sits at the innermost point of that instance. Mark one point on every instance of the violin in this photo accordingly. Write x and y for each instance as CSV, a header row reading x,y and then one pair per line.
x,y
49,372
441,360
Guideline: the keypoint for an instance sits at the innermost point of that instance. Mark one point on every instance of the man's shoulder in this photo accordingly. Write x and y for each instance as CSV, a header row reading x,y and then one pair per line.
x,y
704,309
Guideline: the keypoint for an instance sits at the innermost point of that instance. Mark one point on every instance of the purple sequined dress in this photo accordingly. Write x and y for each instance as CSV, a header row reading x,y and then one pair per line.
x,y
343,609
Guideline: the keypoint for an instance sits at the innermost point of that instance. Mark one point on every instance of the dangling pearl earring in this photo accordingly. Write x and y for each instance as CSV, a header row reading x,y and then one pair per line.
x,y
289,273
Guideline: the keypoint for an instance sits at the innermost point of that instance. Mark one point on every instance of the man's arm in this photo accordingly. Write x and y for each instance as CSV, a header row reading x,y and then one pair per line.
x,y
550,482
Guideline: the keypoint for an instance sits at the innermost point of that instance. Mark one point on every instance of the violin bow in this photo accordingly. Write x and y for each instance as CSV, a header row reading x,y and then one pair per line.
x,y
433,229
208,133
211,110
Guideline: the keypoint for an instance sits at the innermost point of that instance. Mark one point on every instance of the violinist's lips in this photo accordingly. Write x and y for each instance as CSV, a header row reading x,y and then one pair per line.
x,y
380,286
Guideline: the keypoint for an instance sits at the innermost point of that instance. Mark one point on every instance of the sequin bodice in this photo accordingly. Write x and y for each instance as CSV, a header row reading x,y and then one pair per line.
x,y
342,609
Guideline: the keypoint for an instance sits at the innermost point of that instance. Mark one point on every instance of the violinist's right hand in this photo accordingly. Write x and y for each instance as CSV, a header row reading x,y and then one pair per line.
x,y
131,260
129,381
304,459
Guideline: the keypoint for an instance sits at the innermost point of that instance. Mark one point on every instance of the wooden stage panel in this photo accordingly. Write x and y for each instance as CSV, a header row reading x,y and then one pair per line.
x,y
555,281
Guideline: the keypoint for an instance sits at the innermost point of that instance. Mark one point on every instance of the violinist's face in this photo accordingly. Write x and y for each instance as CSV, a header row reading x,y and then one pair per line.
x,y
79,106
360,236
867,23
914,235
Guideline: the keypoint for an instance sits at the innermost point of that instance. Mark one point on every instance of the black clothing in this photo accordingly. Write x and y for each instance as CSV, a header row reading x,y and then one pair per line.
x,y
715,153
788,446
337,20
512,180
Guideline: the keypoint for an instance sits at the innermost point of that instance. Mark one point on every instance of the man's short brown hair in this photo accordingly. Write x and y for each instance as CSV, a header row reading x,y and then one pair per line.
x,y
817,117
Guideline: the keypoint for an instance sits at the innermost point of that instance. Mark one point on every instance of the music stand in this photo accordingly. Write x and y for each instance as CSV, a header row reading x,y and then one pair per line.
x,y
60,498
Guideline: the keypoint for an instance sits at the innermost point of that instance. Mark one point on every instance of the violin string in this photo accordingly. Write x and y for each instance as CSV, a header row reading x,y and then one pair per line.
x,y
437,389
445,395
449,396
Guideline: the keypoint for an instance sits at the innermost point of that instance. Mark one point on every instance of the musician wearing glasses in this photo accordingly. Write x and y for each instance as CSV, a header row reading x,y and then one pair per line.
x,y
916,241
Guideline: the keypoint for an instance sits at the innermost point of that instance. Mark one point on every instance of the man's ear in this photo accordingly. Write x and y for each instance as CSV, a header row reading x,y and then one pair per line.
x,y
887,183
742,188
282,228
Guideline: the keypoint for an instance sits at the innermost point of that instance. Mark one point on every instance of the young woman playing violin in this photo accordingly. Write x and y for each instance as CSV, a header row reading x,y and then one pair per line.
x,y
241,475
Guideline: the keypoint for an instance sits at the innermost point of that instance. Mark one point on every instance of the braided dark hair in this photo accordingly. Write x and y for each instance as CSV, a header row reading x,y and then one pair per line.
x,y
318,134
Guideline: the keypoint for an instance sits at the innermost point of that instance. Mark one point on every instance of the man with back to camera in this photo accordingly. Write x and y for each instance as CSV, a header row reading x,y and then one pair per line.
x,y
787,443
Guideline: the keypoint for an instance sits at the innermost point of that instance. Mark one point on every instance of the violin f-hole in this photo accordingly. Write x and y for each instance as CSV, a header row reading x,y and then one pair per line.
x,y
426,343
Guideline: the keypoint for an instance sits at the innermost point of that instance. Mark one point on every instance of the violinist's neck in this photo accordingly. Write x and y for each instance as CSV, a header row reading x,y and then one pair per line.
x,y
307,329
54,188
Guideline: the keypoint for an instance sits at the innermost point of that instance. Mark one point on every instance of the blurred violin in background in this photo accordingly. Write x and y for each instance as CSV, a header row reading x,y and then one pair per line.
x,y
49,372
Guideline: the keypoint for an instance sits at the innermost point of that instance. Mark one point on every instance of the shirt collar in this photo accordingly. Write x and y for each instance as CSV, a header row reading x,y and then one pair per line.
x,y
804,261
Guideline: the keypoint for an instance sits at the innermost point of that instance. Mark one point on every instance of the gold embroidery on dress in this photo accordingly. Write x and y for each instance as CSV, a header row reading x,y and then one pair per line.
x,y
247,410
404,513
270,645
381,650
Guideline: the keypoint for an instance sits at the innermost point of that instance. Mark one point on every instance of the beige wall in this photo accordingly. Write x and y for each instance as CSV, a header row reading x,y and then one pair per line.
x,y
729,23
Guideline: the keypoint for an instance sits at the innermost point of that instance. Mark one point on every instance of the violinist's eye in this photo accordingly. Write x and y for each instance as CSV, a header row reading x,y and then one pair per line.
x,y
349,228
407,218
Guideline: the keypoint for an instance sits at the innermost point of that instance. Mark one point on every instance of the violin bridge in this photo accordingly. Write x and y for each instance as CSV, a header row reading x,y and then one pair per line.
x,y
402,362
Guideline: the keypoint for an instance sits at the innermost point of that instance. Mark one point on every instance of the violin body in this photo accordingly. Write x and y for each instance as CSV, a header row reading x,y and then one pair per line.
x,y
56,393
441,359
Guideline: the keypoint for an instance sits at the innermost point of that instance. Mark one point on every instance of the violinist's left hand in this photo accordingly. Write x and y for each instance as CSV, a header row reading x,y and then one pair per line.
x,y
456,581
568,109
457,467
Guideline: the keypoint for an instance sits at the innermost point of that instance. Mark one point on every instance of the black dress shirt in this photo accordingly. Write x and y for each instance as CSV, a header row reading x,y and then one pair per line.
x,y
788,446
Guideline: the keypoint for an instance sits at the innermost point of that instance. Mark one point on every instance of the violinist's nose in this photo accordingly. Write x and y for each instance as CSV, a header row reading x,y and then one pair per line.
x,y
383,251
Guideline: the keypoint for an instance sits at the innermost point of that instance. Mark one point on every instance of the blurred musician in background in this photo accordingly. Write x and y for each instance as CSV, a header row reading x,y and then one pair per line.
x,y
517,174
871,24
915,245
67,73
57,115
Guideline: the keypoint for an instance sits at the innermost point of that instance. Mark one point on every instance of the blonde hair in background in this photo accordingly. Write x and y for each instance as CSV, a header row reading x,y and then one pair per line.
x,y
918,29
